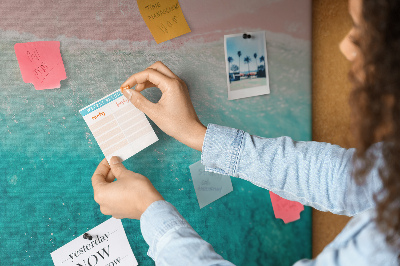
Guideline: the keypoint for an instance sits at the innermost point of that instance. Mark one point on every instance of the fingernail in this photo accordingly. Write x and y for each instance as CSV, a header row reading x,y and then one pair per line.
x,y
129,92
124,88
115,160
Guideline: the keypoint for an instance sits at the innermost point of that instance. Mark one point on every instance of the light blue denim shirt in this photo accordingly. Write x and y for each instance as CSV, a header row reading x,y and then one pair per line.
x,y
312,173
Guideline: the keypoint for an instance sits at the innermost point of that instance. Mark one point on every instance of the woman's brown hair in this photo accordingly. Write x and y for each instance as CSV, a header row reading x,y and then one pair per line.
x,y
375,102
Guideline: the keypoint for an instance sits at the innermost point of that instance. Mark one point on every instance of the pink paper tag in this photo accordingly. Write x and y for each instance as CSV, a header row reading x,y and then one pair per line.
x,y
41,64
286,210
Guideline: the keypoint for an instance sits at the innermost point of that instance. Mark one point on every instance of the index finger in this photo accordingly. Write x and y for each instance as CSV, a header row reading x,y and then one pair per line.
x,y
157,78
160,67
100,175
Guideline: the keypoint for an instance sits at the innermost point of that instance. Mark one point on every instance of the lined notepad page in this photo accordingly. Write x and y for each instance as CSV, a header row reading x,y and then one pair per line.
x,y
118,126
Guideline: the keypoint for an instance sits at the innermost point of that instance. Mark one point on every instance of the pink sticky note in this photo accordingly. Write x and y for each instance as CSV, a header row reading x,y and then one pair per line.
x,y
286,210
41,64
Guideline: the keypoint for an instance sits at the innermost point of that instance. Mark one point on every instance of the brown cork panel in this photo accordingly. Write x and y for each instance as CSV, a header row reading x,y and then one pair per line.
x,y
331,88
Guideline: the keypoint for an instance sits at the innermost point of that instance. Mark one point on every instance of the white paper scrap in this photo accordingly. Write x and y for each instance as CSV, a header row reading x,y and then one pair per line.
x,y
118,126
209,186
109,246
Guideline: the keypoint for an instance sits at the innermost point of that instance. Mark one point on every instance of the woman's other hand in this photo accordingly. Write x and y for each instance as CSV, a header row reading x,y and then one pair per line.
x,y
128,197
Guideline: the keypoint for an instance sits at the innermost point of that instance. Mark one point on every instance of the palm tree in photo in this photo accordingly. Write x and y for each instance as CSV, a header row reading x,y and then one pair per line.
x,y
262,59
247,60
239,55
230,60
255,60
261,68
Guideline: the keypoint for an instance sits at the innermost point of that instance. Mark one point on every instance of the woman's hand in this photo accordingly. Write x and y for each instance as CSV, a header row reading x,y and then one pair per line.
x,y
173,113
128,197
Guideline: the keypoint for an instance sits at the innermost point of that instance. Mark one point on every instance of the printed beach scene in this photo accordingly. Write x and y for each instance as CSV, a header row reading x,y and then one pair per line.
x,y
51,154
246,65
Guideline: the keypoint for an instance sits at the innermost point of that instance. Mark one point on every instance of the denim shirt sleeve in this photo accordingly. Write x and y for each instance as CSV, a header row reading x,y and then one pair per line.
x,y
172,241
312,173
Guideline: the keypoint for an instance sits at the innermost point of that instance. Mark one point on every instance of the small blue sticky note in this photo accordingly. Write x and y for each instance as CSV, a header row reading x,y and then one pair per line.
x,y
209,186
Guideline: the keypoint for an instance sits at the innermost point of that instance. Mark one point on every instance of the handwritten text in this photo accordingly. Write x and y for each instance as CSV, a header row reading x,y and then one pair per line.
x,y
121,102
164,11
100,114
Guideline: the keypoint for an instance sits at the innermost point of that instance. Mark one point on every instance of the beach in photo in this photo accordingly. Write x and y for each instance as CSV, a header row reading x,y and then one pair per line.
x,y
246,65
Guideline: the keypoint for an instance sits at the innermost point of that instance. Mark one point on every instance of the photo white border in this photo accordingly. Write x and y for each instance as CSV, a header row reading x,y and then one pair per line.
x,y
248,92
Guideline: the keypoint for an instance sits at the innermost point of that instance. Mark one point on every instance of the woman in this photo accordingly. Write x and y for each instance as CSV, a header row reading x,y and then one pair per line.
x,y
316,174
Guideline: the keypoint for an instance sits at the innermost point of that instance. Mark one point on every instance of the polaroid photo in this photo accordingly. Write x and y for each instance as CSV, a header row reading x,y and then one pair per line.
x,y
246,65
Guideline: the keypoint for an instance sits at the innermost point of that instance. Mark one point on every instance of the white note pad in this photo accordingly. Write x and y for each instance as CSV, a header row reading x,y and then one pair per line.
x,y
118,126
109,246
209,186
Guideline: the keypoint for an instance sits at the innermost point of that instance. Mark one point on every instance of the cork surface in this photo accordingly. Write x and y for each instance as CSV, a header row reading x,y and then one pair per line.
x,y
331,89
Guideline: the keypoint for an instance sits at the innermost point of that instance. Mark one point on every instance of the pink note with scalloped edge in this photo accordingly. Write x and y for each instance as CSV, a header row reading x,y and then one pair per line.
x,y
284,209
41,63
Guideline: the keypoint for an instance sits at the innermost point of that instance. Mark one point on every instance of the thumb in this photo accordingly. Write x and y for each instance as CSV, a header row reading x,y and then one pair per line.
x,y
99,176
117,167
138,100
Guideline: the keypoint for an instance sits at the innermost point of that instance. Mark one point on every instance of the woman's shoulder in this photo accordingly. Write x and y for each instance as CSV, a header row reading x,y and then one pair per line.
x,y
362,241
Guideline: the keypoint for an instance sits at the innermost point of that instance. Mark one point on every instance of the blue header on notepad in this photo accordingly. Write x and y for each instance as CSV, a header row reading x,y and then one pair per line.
x,y
100,103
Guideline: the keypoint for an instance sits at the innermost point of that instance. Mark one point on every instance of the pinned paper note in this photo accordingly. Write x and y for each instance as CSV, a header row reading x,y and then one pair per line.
x,y
41,64
118,126
284,209
209,186
164,18
108,246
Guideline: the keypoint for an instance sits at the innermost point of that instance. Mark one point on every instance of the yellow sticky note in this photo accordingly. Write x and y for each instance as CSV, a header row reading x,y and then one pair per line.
x,y
164,18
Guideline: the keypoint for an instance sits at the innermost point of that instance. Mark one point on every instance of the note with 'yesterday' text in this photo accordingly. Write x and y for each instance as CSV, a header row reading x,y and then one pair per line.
x,y
108,246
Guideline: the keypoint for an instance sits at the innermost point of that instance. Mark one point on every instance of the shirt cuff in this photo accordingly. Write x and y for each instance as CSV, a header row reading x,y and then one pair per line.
x,y
222,148
158,219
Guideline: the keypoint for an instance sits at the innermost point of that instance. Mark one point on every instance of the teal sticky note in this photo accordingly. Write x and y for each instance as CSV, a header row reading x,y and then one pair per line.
x,y
209,186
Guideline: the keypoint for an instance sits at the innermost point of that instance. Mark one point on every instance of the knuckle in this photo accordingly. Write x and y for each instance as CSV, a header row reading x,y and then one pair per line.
x,y
137,102
103,210
97,196
119,170
150,71
176,83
